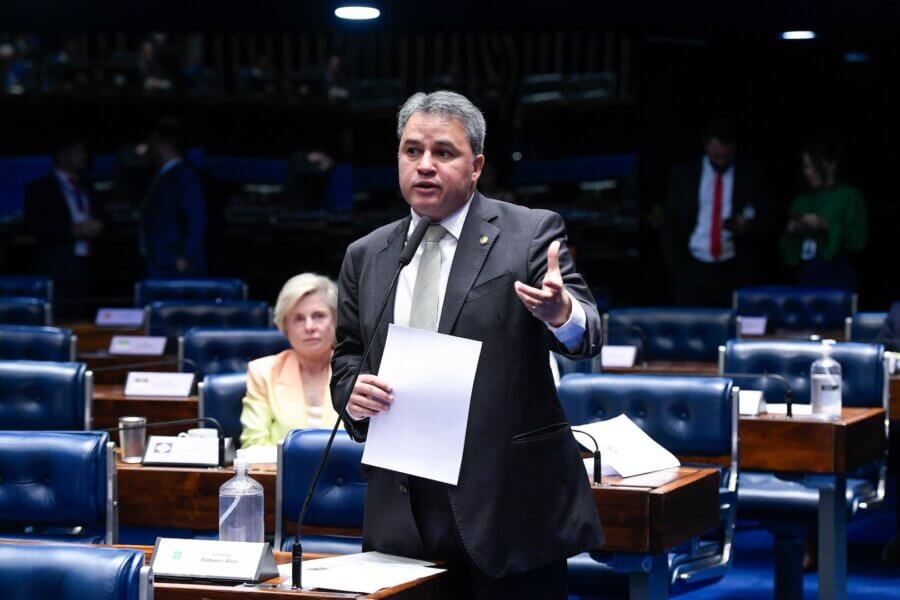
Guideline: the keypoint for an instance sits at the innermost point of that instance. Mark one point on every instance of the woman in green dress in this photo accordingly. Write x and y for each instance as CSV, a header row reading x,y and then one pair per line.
x,y
826,225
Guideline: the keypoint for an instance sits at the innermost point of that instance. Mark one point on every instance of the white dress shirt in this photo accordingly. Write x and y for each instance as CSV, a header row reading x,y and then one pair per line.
x,y
571,333
74,200
700,239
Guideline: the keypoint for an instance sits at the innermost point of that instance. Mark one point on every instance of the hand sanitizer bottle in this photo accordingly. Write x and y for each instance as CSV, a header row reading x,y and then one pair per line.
x,y
825,384
241,507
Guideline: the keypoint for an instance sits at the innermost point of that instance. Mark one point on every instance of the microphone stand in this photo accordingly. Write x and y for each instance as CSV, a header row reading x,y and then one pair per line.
x,y
598,470
788,390
297,549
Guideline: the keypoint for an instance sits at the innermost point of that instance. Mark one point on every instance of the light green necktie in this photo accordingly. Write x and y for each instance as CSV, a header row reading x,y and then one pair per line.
x,y
424,310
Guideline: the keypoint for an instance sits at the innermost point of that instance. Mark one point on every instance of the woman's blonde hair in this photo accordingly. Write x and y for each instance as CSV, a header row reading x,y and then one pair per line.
x,y
299,286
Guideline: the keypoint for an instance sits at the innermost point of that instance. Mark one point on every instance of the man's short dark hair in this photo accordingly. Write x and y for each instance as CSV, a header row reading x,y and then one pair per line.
x,y
722,129
169,132
65,143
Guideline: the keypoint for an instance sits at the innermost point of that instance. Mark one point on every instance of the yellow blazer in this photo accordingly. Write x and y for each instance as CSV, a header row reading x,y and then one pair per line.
x,y
275,402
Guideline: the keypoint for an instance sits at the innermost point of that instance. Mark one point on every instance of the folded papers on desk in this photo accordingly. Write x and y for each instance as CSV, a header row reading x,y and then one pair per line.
x,y
364,573
625,448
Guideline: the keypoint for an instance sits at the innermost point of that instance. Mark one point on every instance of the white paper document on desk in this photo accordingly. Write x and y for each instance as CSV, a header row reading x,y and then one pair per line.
x,y
365,573
424,432
626,448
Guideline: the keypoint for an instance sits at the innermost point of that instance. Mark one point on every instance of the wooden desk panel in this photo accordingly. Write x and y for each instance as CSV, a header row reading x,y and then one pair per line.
x,y
669,367
895,397
110,403
806,445
101,359
185,497
653,513
92,338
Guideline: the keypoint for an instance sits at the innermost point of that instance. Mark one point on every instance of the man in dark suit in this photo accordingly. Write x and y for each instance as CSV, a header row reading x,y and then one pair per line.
x,y
173,215
715,223
58,213
500,274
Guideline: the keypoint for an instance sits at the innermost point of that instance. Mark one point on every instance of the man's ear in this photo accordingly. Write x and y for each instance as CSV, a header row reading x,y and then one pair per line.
x,y
477,167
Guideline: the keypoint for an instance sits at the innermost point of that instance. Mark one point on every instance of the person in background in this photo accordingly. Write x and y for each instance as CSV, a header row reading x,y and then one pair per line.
x,y
173,215
289,390
715,221
826,225
58,213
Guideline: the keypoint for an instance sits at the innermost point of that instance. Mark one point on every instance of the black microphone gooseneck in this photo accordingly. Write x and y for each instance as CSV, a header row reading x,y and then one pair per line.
x,y
154,363
412,244
788,390
180,422
598,470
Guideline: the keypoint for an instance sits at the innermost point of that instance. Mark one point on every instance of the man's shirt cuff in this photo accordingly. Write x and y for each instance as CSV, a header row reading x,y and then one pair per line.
x,y
571,333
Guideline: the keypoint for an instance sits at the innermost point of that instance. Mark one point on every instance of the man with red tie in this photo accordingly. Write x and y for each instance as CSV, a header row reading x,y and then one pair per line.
x,y
716,212
58,213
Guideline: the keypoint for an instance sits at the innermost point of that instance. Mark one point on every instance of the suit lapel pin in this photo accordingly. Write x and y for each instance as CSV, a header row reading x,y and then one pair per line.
x,y
483,240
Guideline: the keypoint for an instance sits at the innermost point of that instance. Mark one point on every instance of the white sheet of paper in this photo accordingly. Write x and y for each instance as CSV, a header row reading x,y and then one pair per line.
x,y
618,356
365,573
753,325
798,410
605,469
424,432
140,345
259,455
751,402
626,448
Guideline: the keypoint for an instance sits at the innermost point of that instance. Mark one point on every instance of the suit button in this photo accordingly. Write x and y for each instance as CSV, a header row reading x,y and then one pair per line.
x,y
403,489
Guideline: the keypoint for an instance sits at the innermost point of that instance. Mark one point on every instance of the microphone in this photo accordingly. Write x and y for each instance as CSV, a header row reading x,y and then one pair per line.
x,y
788,390
598,470
180,422
412,244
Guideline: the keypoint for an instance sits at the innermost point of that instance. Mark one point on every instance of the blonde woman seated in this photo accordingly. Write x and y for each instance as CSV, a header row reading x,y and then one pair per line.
x,y
289,390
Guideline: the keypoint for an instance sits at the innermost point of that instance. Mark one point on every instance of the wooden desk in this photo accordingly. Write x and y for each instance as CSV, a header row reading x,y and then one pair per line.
x,y
110,403
183,497
895,397
806,445
656,512
92,338
101,359
668,367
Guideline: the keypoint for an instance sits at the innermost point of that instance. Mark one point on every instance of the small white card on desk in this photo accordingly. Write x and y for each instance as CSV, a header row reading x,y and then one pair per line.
x,y
174,450
120,317
625,447
751,402
213,560
797,410
145,383
618,356
142,345
753,325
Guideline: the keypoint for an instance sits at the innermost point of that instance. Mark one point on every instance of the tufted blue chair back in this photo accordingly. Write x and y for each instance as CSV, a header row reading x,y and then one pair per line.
x,y
690,416
672,333
38,395
172,318
862,367
567,366
54,481
221,398
65,572
789,307
29,286
229,350
24,311
340,495
151,290
865,327
35,342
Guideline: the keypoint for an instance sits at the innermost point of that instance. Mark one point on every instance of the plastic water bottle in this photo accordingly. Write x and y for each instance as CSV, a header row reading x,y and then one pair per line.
x,y
825,384
241,507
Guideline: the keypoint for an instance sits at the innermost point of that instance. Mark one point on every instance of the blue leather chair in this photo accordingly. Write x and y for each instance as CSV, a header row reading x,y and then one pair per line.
x,y
58,486
65,572
567,366
790,506
338,499
38,395
28,286
172,318
34,342
228,350
692,334
796,308
208,289
220,397
691,417
24,311
865,327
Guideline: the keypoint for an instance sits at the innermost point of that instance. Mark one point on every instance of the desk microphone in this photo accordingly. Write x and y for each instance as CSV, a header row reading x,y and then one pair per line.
x,y
788,390
217,425
598,470
412,244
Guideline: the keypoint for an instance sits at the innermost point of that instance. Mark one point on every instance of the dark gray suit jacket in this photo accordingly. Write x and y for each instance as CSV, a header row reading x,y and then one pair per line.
x,y
523,498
